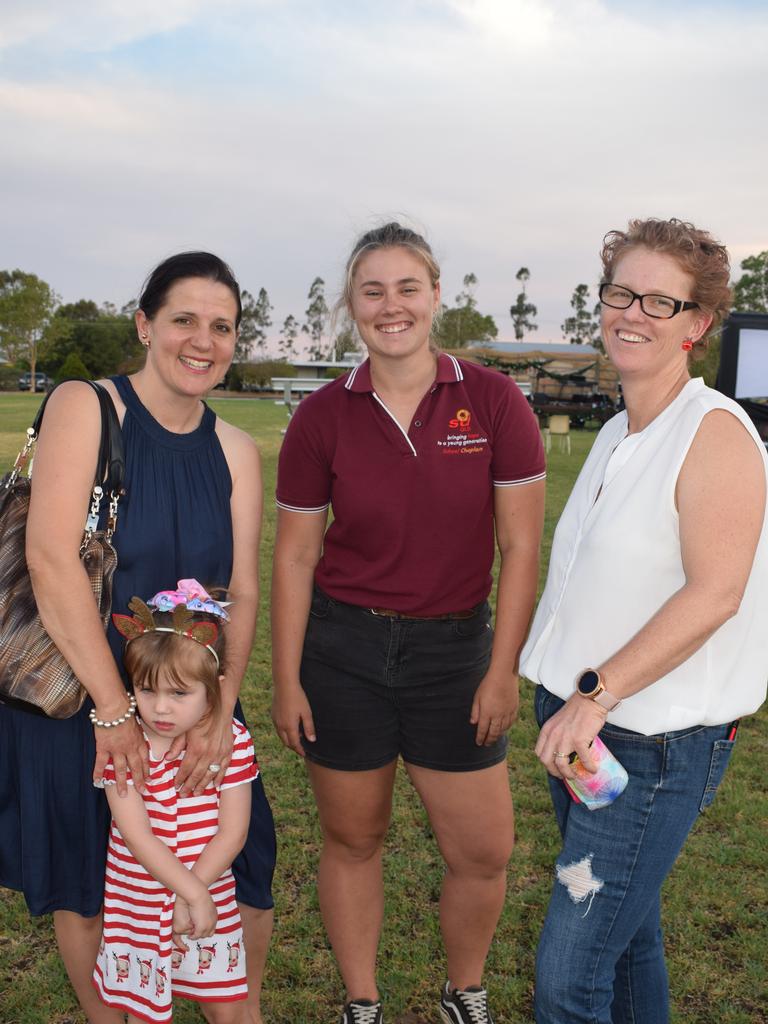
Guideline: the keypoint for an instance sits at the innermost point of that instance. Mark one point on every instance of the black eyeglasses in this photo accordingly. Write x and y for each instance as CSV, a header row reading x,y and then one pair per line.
x,y
659,306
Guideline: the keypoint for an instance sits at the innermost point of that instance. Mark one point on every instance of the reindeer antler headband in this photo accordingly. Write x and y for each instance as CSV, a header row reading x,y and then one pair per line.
x,y
189,597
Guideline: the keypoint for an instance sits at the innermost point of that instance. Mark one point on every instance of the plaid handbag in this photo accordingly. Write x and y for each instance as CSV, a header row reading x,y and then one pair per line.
x,y
33,673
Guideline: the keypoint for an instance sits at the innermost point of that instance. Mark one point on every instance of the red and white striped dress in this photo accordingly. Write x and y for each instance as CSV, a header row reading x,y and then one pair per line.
x,y
138,970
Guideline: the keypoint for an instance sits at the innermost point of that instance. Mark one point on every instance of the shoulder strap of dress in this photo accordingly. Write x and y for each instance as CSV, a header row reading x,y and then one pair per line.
x,y
125,390
208,422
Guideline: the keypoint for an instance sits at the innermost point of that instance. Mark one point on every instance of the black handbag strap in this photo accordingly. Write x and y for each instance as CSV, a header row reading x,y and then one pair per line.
x,y
110,467
111,455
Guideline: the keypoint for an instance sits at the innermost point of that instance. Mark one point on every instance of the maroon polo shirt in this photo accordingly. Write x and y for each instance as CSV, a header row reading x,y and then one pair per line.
x,y
412,522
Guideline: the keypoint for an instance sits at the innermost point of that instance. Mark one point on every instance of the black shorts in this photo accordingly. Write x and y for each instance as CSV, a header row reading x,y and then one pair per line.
x,y
380,686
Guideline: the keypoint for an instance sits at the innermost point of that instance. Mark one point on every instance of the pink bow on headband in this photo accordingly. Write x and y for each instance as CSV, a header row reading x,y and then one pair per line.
x,y
190,593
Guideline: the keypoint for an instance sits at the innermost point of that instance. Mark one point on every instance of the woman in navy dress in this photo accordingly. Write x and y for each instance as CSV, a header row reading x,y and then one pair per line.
x,y
192,509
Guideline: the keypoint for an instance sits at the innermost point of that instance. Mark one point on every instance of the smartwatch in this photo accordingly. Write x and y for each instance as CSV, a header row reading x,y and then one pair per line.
x,y
590,685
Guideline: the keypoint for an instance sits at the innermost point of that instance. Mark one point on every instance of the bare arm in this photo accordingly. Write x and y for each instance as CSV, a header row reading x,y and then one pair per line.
x,y
721,495
519,517
64,469
131,817
211,742
298,546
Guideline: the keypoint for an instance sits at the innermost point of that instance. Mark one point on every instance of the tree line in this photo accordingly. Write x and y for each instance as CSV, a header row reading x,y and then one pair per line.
x,y
83,339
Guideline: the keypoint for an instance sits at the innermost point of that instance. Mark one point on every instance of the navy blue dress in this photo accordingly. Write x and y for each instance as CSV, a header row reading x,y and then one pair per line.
x,y
173,523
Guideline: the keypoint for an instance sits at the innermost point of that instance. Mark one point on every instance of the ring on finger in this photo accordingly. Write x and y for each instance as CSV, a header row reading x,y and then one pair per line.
x,y
214,768
559,753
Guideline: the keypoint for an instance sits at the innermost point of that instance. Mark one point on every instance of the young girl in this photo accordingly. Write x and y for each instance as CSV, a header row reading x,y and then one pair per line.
x,y
171,923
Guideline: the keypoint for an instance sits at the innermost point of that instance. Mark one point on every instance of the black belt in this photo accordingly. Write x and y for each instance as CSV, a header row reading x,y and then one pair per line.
x,y
390,613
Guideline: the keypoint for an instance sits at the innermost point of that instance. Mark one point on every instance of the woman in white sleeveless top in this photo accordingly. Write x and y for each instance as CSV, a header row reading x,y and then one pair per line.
x,y
652,627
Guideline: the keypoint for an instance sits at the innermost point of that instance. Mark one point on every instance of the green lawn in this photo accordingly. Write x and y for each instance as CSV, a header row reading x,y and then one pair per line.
x,y
716,899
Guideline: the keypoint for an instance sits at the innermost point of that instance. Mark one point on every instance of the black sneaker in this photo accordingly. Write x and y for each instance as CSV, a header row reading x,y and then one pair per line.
x,y
465,1006
362,1011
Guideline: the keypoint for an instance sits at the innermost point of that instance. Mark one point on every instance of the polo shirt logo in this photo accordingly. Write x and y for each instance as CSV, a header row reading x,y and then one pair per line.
x,y
460,439
462,420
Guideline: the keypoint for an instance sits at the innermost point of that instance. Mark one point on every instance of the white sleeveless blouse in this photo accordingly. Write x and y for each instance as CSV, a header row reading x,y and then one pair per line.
x,y
616,560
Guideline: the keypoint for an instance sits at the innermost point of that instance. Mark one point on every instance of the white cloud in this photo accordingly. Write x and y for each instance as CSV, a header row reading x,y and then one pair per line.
x,y
519,24
518,132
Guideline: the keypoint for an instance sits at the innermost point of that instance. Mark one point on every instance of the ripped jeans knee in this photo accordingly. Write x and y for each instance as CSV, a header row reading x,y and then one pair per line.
x,y
579,880
577,951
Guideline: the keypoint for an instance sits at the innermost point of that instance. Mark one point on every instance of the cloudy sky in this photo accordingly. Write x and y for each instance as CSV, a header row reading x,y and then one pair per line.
x,y
513,132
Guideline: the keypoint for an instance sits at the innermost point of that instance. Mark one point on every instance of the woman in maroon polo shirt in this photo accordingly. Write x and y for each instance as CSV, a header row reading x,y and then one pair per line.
x,y
382,639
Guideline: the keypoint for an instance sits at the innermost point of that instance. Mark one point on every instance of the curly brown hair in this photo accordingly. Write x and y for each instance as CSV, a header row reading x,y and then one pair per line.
x,y
699,255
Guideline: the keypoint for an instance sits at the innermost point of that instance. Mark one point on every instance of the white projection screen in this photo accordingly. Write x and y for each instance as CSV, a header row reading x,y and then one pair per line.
x,y
752,366
743,371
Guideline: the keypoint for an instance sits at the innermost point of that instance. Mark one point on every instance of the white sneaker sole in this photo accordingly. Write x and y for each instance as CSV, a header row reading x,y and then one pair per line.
x,y
445,1016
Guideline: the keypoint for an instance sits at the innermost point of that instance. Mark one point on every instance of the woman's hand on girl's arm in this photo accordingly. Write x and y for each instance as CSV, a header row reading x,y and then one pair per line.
x,y
126,747
519,519
298,546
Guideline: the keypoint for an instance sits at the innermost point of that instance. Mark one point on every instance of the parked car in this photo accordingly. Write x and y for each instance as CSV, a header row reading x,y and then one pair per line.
x,y
42,382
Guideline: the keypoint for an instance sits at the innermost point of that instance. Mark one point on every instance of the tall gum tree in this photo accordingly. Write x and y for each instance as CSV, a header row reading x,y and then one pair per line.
x,y
289,332
316,315
523,311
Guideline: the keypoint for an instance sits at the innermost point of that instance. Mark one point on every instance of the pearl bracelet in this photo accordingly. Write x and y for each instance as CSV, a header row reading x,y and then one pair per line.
x,y
116,721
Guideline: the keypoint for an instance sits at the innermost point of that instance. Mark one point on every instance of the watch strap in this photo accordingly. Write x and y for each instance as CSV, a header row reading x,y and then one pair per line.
x,y
606,700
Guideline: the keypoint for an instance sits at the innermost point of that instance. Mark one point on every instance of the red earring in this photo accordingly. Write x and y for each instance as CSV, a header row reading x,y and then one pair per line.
x,y
687,345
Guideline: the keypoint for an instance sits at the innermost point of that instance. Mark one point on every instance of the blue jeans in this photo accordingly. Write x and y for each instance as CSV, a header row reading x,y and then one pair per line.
x,y
601,954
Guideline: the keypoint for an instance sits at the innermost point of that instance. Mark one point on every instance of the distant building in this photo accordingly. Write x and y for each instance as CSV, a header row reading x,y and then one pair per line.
x,y
309,368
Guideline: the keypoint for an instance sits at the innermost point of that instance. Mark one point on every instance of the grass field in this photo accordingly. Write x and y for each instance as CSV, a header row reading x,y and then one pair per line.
x,y
716,899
